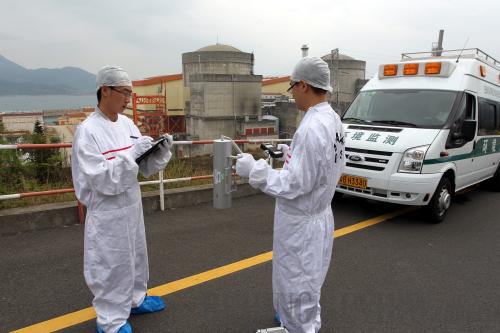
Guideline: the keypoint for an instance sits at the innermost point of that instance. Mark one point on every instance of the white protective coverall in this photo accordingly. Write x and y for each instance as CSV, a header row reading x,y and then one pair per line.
x,y
303,220
105,180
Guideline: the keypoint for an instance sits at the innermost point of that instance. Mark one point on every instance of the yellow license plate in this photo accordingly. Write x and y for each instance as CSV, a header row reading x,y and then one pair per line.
x,y
353,181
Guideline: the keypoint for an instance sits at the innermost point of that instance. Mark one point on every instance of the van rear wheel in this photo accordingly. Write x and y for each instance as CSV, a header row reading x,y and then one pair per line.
x,y
440,202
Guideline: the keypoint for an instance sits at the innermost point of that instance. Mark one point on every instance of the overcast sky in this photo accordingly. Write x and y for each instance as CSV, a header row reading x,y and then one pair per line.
x,y
148,37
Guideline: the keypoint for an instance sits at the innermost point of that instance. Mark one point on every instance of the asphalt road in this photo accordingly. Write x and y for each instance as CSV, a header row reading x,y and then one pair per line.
x,y
401,275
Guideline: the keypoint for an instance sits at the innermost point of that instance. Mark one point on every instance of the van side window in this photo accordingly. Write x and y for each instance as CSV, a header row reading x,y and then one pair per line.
x,y
466,111
488,114
497,115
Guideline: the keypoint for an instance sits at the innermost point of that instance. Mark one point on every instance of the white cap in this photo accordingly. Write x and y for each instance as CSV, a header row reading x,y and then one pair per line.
x,y
112,76
313,71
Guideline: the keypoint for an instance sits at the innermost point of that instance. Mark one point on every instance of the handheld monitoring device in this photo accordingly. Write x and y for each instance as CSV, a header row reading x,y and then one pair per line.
x,y
273,151
151,150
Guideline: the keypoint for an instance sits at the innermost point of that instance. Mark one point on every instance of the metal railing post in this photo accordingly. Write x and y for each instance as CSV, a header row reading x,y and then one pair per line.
x,y
162,192
81,213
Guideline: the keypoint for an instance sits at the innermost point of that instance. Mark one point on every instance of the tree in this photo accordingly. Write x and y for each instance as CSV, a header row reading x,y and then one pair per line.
x,y
54,162
46,163
38,137
37,156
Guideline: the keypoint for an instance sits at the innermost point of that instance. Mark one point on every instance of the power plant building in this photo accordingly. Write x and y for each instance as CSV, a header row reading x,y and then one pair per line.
x,y
167,116
278,102
224,96
347,77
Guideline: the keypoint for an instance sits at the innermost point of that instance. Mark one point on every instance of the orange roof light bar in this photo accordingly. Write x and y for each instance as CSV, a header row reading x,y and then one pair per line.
x,y
433,68
410,69
482,70
390,70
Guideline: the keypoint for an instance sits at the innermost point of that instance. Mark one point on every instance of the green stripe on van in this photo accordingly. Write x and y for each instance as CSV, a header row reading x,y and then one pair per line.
x,y
449,158
485,146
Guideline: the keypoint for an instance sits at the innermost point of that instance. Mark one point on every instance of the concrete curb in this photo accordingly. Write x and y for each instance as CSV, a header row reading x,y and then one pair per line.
x,y
16,220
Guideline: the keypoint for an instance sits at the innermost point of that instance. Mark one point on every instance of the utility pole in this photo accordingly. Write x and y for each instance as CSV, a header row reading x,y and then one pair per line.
x,y
335,52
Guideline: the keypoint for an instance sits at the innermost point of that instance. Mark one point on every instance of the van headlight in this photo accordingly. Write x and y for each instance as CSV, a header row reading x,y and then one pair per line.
x,y
413,159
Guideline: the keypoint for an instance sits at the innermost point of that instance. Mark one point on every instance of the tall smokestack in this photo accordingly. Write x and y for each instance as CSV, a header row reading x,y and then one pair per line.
x,y
305,50
440,43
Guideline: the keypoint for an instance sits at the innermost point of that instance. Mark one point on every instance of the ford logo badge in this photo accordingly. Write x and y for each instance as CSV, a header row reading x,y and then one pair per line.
x,y
355,158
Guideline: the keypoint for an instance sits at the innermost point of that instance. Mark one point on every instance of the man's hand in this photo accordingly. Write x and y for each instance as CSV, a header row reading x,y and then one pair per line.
x,y
169,142
244,164
142,144
285,149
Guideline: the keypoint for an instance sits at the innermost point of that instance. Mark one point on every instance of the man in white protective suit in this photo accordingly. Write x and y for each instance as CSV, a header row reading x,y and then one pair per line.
x,y
105,148
304,188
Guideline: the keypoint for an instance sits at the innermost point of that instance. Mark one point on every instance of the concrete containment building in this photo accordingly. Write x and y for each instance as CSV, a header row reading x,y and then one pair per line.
x,y
347,76
224,95
216,59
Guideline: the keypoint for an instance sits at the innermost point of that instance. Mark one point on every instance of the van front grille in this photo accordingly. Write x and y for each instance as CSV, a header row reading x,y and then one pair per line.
x,y
367,151
365,166
374,160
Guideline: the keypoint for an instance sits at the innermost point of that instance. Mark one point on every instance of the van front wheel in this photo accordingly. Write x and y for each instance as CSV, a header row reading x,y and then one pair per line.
x,y
440,202
337,196
495,181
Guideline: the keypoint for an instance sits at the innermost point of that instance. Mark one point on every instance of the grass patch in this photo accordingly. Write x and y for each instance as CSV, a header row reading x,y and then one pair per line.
x,y
176,168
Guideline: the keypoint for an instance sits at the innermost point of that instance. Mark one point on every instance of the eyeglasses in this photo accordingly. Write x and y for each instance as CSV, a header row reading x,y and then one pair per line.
x,y
292,84
124,93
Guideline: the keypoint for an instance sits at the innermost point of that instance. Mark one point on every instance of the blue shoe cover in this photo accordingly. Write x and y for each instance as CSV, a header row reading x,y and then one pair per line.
x,y
124,329
277,318
150,304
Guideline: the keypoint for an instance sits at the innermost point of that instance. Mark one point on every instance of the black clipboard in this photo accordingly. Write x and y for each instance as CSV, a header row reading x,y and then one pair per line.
x,y
151,150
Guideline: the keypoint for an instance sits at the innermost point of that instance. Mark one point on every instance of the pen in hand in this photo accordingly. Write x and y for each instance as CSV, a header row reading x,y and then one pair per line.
x,y
134,137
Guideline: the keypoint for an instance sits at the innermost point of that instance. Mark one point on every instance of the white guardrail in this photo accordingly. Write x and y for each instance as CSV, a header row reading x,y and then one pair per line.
x,y
161,181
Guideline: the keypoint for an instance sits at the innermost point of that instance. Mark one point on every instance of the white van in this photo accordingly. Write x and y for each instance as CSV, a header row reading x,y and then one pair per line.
x,y
423,129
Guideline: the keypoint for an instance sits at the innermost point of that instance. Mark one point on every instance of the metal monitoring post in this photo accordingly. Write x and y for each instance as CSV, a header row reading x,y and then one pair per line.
x,y
222,163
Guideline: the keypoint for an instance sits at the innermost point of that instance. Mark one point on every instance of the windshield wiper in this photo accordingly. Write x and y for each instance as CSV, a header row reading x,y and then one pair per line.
x,y
357,120
395,122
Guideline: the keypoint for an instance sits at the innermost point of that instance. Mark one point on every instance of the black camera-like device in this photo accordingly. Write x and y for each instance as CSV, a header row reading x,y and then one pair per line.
x,y
273,151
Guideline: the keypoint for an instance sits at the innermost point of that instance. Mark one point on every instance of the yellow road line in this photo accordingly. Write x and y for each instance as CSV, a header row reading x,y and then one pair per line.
x,y
81,316
370,222
61,322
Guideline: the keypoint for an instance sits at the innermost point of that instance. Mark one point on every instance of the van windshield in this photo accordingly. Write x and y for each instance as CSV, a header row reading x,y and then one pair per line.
x,y
404,108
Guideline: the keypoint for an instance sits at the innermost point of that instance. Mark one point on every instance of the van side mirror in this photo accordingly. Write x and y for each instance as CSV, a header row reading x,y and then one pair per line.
x,y
469,130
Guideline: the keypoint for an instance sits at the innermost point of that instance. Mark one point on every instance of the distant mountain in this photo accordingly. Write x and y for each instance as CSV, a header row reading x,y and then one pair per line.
x,y
17,80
